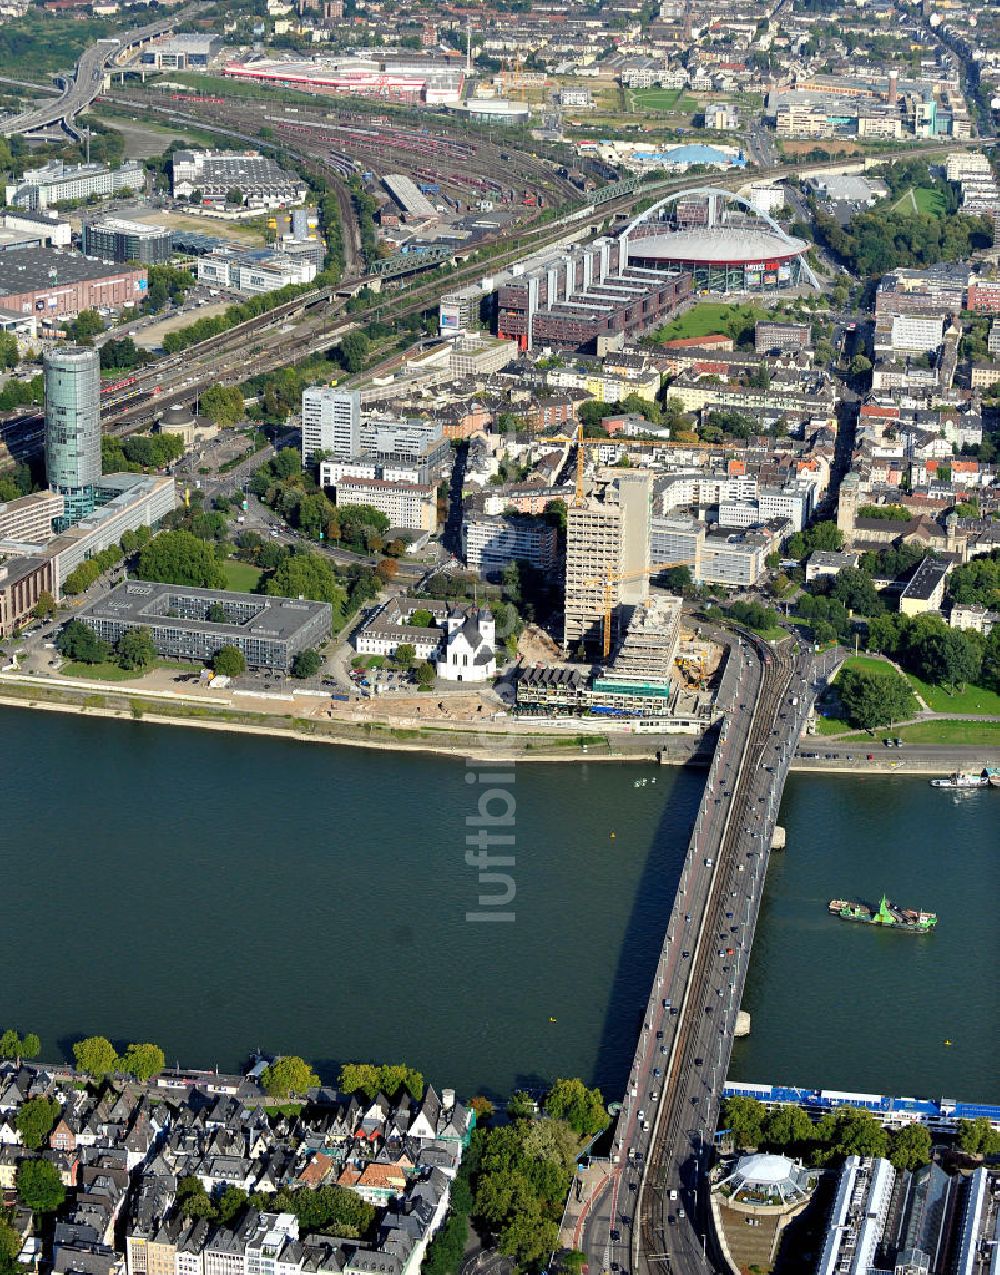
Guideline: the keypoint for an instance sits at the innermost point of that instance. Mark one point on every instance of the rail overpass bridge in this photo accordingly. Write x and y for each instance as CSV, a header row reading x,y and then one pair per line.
x,y
87,80
652,1217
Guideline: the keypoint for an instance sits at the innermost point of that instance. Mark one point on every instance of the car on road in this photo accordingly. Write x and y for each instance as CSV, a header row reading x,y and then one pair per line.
x,y
685,955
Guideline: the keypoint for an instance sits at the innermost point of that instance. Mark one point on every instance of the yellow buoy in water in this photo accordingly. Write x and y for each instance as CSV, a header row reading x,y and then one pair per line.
x,y
947,1042
612,836
553,1020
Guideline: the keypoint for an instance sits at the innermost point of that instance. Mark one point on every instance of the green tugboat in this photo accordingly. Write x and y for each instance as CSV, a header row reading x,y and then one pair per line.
x,y
887,914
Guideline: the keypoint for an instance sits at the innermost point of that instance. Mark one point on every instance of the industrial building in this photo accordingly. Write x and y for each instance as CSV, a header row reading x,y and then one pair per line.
x,y
491,542
188,623
181,52
56,182
254,271
409,197
262,182
57,284
419,80
115,239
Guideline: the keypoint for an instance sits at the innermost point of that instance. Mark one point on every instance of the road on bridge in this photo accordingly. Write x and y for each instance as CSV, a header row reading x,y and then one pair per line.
x,y
654,1216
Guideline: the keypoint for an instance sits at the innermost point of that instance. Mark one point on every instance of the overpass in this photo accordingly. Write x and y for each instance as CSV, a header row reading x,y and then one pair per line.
x,y
87,80
652,1217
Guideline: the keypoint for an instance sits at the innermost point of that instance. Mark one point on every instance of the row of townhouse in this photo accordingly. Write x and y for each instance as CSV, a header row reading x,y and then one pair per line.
x,y
123,1155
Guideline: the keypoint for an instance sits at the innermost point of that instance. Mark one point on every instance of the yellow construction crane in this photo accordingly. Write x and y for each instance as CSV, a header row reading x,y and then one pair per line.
x,y
580,443
609,580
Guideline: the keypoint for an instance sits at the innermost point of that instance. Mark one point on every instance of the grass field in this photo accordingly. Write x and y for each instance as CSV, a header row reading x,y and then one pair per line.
x,y
942,732
831,725
708,318
241,577
867,664
662,100
974,700
920,200
111,672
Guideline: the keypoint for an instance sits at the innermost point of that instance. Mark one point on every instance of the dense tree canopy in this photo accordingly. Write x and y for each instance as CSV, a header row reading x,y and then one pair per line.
x,y
143,1061
96,1056
872,699
179,557
35,1120
288,1075
372,1079
581,1108
39,1186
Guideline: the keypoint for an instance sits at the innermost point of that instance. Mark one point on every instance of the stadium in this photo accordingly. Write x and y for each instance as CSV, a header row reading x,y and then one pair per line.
x,y
727,244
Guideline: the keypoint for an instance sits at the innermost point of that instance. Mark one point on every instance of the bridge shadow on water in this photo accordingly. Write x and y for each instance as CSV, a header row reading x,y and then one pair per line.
x,y
644,934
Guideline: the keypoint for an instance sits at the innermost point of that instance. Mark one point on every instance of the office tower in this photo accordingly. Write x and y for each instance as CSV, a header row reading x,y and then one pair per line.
x,y
73,428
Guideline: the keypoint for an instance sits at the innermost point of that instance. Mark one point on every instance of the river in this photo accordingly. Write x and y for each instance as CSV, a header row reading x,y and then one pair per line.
x,y
217,892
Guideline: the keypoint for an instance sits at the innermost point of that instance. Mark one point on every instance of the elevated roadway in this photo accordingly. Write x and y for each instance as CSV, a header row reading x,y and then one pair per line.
x,y
87,80
653,1216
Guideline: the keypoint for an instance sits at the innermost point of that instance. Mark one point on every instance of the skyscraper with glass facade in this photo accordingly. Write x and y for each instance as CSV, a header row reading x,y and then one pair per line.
x,y
73,428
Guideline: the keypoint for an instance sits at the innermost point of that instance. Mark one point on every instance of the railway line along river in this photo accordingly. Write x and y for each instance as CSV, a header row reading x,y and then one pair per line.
x,y
216,892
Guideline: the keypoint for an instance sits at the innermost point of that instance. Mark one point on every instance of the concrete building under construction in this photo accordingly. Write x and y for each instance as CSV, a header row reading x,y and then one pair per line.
x,y
607,557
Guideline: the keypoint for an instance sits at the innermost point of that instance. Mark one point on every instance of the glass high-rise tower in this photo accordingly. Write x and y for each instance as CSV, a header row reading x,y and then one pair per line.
x,y
73,428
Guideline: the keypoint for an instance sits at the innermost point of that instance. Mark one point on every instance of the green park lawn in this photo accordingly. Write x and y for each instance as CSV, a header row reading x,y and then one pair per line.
x,y
708,318
662,100
831,725
920,199
112,673
948,732
866,664
241,577
974,700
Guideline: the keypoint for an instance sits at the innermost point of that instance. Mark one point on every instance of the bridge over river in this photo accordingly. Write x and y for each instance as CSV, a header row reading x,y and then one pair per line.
x,y
652,1215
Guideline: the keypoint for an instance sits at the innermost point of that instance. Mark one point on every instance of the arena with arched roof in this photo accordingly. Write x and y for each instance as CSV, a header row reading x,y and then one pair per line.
x,y
728,245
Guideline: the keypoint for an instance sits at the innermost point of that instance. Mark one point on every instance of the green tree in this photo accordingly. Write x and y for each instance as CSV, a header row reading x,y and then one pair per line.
x,y
520,1105
39,1186
787,1127
31,1046
860,365
406,655
353,351
96,1056
308,575
78,642
35,1120
8,350
178,557
222,404
193,1200
135,649
86,325
422,619
426,675
143,1061
873,699
288,1075
910,1147
45,607
743,1118
581,1108
851,1131
854,588
234,197
229,661
978,1137
307,664
232,1202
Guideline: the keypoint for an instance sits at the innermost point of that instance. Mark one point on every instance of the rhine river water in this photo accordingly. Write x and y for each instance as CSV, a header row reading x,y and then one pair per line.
x,y
218,892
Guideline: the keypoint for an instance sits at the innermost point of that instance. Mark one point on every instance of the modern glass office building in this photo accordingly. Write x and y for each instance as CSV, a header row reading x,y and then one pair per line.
x,y
73,428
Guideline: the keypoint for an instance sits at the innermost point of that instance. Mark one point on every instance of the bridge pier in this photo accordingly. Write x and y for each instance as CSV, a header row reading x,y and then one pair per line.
x,y
778,838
